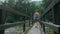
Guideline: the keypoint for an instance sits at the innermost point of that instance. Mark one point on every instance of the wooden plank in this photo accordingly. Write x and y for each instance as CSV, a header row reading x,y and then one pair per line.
x,y
27,30
54,2
5,26
8,9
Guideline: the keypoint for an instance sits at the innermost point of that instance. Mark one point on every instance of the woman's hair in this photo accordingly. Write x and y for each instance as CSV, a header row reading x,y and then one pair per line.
x,y
36,10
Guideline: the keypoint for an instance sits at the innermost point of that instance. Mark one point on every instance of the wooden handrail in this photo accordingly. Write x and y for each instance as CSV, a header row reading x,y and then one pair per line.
x,y
53,3
8,25
51,25
8,9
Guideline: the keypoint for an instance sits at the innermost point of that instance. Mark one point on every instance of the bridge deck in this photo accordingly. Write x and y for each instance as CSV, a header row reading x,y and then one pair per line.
x,y
35,30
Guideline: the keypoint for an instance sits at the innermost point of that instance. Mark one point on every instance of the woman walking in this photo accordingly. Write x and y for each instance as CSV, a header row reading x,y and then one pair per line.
x,y
36,18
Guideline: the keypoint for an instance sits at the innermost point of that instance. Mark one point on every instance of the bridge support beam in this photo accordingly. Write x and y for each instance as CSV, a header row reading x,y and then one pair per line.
x,y
24,25
2,19
57,16
29,21
56,20
43,24
32,21
59,30
43,27
1,32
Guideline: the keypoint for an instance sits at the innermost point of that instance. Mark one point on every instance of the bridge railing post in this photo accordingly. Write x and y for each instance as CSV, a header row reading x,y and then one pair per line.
x,y
57,16
2,32
24,27
2,19
29,22
44,28
59,30
43,25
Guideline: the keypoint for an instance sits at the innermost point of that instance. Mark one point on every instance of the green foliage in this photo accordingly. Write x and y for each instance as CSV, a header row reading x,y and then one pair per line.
x,y
46,3
23,6
10,18
48,16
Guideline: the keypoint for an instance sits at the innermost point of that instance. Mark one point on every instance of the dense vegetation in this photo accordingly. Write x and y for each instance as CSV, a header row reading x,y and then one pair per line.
x,y
26,7
23,6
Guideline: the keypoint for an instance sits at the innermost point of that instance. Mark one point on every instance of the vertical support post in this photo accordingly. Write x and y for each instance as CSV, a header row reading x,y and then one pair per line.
x,y
59,30
1,32
55,32
44,25
2,19
0,16
24,25
29,21
54,18
57,16
32,22
53,15
32,18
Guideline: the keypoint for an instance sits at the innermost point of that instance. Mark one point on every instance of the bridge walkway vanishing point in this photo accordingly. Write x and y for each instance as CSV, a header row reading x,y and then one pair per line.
x,y
36,30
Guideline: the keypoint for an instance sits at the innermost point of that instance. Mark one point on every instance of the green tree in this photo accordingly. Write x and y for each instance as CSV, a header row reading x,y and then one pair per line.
x,y
23,6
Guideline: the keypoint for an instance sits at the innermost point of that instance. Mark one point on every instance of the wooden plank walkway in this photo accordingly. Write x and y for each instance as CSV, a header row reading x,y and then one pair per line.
x,y
35,30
